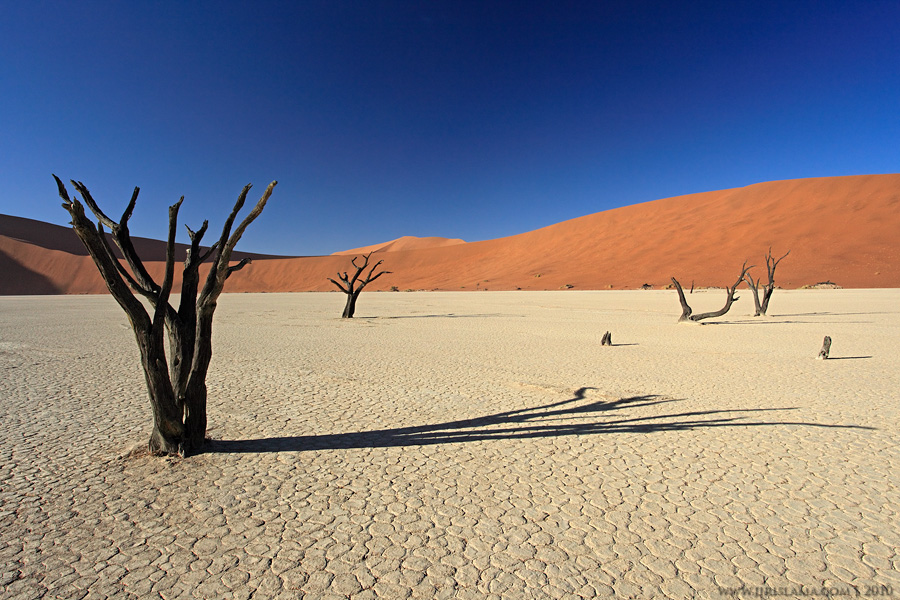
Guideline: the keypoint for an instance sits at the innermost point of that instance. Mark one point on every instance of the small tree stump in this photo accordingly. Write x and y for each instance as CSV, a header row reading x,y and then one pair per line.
x,y
606,340
826,348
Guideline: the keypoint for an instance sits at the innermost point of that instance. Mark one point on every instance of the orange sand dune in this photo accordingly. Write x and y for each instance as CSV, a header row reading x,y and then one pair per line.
x,y
842,229
41,258
407,242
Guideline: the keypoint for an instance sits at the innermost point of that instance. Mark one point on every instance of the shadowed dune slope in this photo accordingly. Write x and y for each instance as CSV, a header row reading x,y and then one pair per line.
x,y
41,258
842,229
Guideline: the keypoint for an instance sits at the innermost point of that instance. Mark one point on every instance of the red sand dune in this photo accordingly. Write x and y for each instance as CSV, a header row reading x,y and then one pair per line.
x,y
842,229
407,242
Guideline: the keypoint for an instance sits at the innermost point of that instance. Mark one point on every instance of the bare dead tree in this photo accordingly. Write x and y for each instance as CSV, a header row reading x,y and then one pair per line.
x,y
771,263
353,286
177,388
687,311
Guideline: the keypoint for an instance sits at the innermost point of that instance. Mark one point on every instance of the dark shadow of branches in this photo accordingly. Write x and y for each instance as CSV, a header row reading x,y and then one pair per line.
x,y
775,321
564,418
446,316
833,314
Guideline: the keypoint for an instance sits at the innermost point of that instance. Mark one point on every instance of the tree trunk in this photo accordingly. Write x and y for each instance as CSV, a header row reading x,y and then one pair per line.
x,y
767,295
350,307
182,324
754,289
196,394
195,416
167,434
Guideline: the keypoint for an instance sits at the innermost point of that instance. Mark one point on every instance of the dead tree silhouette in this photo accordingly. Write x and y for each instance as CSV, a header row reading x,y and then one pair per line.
x,y
177,387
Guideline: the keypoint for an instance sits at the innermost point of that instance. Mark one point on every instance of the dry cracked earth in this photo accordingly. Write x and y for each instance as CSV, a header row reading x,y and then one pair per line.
x,y
470,445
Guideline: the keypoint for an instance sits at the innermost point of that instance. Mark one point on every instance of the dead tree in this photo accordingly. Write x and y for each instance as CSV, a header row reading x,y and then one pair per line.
x,y
353,286
177,387
687,312
771,263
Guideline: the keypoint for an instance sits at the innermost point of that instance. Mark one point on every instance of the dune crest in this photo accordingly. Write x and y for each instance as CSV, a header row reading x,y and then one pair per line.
x,y
407,242
838,229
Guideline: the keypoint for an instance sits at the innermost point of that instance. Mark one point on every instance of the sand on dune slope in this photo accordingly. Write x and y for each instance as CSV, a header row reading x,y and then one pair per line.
x,y
839,229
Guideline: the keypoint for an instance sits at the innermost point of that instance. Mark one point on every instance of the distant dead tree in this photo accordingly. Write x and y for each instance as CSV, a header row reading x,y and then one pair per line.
x,y
353,286
177,388
687,312
771,263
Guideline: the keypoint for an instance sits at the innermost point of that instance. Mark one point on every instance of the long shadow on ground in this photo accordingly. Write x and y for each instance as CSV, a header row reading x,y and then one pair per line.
x,y
550,420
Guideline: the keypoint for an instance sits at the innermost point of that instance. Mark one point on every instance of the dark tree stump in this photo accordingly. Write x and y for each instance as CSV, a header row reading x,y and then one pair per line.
x,y
826,349
606,340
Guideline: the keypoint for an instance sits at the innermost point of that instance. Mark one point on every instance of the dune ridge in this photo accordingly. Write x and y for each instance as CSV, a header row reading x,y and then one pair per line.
x,y
839,229
407,242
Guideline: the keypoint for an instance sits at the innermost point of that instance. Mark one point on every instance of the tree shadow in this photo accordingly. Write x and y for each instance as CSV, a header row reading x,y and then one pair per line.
x,y
774,321
848,357
563,418
832,314
445,316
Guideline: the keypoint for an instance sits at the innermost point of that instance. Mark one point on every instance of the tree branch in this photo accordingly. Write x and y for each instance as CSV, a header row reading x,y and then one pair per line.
x,y
122,236
132,282
686,311
103,258
219,271
196,237
209,252
89,200
370,278
340,287
769,288
162,303
244,262
359,269
754,288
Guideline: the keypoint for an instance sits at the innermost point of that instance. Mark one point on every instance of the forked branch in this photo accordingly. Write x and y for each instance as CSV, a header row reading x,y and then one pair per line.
x,y
220,270
353,285
349,285
122,237
687,311
761,307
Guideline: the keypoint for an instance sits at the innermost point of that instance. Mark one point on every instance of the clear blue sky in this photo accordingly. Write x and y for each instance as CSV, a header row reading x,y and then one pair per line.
x,y
462,119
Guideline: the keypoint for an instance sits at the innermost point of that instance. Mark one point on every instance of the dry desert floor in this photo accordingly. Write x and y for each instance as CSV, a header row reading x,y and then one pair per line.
x,y
461,445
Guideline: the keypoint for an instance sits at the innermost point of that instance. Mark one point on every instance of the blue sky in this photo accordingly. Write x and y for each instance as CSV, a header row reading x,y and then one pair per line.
x,y
462,119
